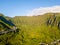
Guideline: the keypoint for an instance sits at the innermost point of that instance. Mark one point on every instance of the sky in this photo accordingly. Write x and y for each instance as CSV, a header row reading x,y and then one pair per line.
x,y
26,7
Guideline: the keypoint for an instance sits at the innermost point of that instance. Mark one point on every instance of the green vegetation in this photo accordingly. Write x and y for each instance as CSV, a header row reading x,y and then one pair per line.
x,y
2,26
33,30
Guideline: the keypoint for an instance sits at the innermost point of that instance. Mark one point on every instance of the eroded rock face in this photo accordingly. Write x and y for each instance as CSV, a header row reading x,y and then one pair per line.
x,y
59,25
53,21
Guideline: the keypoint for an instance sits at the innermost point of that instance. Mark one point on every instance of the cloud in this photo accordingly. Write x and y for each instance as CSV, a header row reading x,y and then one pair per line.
x,y
43,10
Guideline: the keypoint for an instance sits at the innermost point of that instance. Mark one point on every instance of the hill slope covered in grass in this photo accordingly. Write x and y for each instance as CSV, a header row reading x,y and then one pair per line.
x,y
33,30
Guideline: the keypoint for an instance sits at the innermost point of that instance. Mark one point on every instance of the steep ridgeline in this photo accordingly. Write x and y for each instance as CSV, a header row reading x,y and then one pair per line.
x,y
6,25
8,31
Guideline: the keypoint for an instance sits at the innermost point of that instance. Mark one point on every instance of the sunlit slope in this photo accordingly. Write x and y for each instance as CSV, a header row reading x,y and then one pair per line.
x,y
35,30
34,20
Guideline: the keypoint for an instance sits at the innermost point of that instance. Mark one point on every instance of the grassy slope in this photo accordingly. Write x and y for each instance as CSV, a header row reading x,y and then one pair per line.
x,y
33,30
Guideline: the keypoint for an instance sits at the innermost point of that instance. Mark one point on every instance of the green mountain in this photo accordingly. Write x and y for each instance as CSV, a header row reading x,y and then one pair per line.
x,y
34,30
